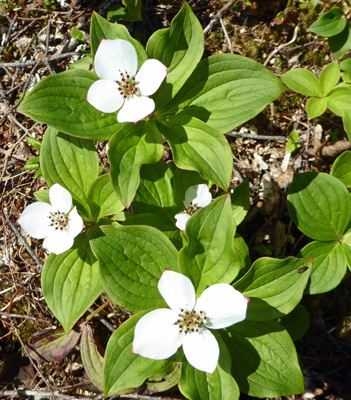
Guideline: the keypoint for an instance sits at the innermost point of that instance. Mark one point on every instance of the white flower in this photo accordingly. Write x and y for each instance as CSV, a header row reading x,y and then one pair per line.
x,y
160,333
53,222
120,85
196,197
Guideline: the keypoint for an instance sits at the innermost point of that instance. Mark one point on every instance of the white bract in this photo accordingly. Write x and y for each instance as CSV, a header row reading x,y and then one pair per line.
x,y
196,197
116,64
160,333
54,223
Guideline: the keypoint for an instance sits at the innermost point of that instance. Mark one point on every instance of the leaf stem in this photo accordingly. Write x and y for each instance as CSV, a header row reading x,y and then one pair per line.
x,y
92,315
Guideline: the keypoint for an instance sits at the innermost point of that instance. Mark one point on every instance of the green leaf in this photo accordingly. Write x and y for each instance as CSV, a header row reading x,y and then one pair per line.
x,y
240,201
179,48
60,101
102,29
274,287
302,81
83,63
346,120
69,161
341,43
32,164
264,359
319,205
345,67
160,222
43,196
197,146
162,189
102,199
92,360
293,141
329,77
156,192
77,34
209,256
297,322
132,260
346,246
131,11
34,142
315,106
330,23
198,385
71,282
243,252
163,383
130,147
226,90
124,370
341,168
339,100
329,266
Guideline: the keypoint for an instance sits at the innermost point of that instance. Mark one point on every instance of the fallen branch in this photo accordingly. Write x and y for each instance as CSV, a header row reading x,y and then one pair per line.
x,y
41,393
255,137
217,17
23,64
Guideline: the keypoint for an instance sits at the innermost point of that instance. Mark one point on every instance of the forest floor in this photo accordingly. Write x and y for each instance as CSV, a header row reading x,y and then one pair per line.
x,y
36,42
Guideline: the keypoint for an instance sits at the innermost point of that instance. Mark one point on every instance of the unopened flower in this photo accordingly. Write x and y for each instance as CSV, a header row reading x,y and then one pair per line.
x,y
196,197
55,223
160,333
120,85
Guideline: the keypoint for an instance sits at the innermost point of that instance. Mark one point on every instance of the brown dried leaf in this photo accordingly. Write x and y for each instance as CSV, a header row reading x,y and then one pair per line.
x,y
284,179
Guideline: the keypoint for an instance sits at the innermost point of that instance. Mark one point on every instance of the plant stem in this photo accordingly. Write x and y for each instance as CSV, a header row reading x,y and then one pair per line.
x,y
92,315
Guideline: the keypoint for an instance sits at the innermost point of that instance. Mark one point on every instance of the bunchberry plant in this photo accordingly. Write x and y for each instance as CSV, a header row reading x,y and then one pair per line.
x,y
135,226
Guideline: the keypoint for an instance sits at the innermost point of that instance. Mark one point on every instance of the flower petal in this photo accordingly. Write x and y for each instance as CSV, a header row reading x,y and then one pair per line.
x,y
156,336
135,108
75,223
60,198
223,305
177,290
201,350
150,76
198,194
35,220
104,96
58,241
114,57
182,219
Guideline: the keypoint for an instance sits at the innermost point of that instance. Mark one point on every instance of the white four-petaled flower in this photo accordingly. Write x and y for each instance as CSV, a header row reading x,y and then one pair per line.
x,y
160,333
116,64
53,222
196,197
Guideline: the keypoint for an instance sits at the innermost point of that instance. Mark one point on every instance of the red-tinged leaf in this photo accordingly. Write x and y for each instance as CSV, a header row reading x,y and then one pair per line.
x,y
92,357
156,385
52,344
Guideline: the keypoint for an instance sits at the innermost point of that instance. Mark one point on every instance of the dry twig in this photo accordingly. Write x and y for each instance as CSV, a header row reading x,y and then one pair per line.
x,y
217,17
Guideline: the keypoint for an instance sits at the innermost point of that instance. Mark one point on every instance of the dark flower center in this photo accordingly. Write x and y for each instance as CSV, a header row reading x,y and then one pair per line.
x,y
192,209
58,220
127,86
190,321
